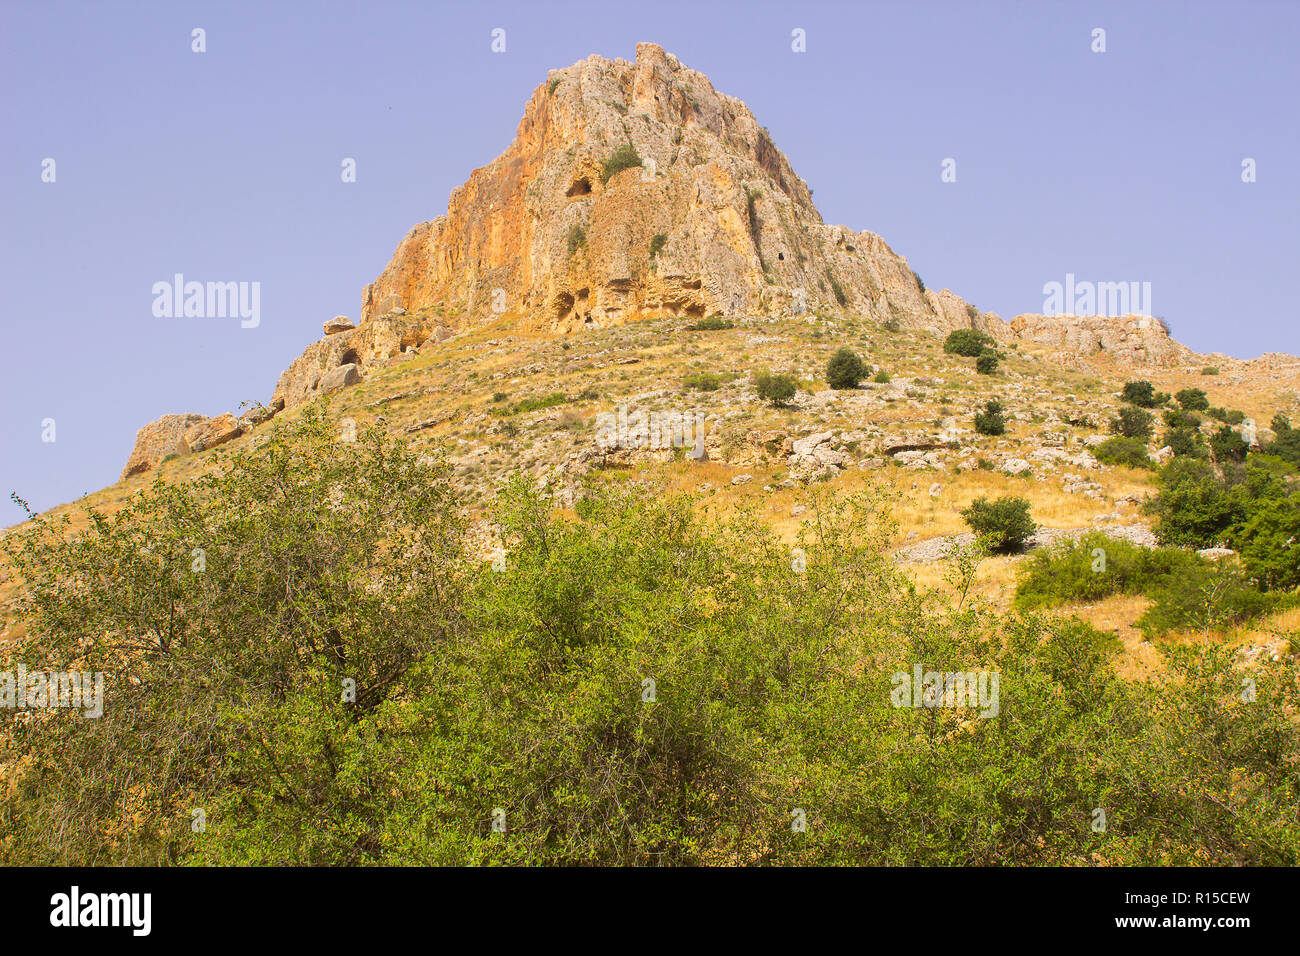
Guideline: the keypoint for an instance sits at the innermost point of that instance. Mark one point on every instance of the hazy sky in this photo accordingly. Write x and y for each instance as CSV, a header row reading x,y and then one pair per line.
x,y
225,166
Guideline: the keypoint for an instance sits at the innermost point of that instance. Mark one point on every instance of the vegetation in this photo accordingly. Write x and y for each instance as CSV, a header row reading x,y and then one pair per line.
x,y
991,421
845,369
533,404
987,363
657,243
706,381
838,290
1193,399
577,238
536,710
967,342
1140,393
1132,422
1209,370
1002,525
1123,451
776,390
624,157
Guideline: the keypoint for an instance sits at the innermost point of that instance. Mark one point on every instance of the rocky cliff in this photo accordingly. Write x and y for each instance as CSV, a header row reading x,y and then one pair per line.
x,y
635,190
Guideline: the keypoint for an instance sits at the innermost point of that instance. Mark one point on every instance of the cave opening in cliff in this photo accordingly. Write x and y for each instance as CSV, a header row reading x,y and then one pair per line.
x,y
350,357
581,187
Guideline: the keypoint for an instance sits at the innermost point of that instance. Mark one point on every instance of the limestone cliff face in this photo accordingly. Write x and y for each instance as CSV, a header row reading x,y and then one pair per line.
x,y
1130,340
714,220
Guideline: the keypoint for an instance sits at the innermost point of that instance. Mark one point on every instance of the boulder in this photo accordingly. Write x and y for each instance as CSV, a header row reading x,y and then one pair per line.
x,y
212,432
340,323
338,378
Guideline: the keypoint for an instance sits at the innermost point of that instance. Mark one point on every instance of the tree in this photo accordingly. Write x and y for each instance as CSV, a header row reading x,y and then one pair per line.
x,y
845,369
967,342
777,390
1004,524
1227,445
991,421
1193,399
987,363
1123,451
1133,422
1140,393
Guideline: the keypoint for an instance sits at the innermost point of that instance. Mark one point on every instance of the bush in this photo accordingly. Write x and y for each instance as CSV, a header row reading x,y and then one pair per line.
x,y
776,390
533,404
1004,525
1123,451
920,284
845,369
991,421
1132,422
1185,442
1286,441
704,381
1227,445
624,157
1209,370
967,342
987,363
1205,596
838,290
1093,568
1140,393
657,243
1194,508
577,238
882,377
1176,418
1193,399
547,687
1270,543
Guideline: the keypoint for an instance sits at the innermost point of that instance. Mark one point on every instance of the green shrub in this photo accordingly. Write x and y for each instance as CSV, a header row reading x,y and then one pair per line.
x,y
705,381
1132,422
845,369
1093,568
882,377
1286,441
499,396
991,421
1123,451
1177,418
1270,543
1194,507
1186,442
967,342
577,238
1140,393
714,323
1209,370
920,283
838,290
554,82
1205,596
987,363
1227,445
1193,399
777,390
1004,524
657,243
624,157
551,687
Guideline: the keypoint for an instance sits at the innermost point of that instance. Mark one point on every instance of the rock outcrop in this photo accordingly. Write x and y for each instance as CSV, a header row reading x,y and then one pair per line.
x,y
157,440
635,189
1131,340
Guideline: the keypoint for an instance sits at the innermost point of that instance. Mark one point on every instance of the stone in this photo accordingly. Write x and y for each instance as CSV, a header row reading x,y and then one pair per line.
x,y
337,378
212,432
742,479
157,440
340,323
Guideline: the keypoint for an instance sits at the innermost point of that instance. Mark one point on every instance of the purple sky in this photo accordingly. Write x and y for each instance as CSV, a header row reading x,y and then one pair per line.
x,y
224,166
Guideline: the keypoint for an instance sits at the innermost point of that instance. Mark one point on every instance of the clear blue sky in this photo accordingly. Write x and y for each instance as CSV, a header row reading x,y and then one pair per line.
x,y
225,166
